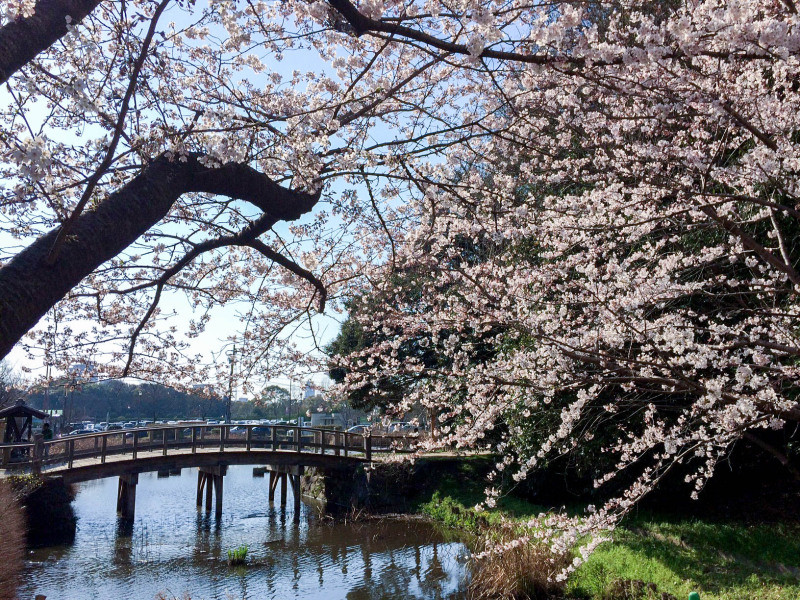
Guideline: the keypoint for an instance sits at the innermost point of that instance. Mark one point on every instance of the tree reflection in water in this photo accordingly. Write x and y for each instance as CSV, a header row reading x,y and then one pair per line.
x,y
172,549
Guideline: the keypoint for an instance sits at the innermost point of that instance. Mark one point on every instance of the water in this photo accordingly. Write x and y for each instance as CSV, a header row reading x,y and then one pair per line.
x,y
171,550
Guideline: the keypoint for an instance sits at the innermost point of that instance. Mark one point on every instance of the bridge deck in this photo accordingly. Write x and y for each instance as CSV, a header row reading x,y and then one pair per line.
x,y
105,454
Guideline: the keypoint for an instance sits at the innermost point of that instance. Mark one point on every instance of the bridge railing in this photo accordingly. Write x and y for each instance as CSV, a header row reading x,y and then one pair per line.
x,y
196,438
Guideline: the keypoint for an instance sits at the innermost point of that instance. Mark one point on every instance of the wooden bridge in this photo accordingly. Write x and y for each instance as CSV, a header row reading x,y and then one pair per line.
x,y
284,450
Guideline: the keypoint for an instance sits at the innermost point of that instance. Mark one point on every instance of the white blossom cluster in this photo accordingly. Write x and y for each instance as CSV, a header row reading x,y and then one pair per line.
x,y
623,253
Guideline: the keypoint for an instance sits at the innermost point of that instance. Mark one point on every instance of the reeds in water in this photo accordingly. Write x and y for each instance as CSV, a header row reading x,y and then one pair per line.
x,y
523,571
237,556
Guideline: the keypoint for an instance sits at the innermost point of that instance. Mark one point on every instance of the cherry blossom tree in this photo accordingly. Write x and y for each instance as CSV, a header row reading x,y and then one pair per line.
x,y
639,221
629,167
10,384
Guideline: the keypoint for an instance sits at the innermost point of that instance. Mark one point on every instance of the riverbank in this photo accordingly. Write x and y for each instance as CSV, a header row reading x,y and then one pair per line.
x,y
720,559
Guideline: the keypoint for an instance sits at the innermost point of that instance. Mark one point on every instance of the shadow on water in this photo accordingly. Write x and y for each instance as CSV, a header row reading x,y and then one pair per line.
x,y
173,549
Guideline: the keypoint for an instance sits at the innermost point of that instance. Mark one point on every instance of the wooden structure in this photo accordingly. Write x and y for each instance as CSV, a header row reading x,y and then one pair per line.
x,y
285,450
210,479
18,432
126,496
19,421
282,474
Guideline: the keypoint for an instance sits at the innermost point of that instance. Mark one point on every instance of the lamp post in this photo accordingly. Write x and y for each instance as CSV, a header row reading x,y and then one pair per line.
x,y
232,360
69,398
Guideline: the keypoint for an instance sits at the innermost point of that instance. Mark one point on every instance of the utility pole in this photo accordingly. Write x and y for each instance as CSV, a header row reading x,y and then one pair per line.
x,y
47,390
232,360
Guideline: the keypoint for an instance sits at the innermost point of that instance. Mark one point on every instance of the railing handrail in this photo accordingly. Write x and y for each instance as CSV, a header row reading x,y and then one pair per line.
x,y
160,427
93,434
342,442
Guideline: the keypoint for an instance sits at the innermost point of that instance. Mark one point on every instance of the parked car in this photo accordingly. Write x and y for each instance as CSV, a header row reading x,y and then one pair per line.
x,y
358,429
401,427
114,427
139,434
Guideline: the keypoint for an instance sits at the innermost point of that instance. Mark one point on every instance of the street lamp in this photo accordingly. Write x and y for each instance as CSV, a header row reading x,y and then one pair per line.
x,y
232,360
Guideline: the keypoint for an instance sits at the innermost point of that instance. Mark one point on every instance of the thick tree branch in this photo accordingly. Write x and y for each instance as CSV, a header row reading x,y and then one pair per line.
x,y
29,286
22,39
118,129
361,24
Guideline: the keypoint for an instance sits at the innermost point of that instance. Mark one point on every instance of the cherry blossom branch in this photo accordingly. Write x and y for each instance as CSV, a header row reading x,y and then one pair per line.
x,y
751,244
362,24
745,122
29,286
118,129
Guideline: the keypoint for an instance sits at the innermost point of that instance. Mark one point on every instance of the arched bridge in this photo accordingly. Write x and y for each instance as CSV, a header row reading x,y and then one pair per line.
x,y
285,450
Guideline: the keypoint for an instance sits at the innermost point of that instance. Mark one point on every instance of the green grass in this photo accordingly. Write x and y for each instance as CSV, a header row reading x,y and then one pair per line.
x,y
722,561
460,486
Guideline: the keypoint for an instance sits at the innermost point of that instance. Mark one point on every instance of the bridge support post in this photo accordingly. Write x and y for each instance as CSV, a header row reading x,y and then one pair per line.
x,y
209,480
283,489
126,496
273,483
296,489
218,479
201,483
209,491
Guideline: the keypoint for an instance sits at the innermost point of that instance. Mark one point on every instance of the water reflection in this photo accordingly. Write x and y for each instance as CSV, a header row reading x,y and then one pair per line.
x,y
173,549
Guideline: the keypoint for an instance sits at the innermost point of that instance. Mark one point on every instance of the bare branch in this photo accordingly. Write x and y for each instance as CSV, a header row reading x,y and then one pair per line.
x,y
294,268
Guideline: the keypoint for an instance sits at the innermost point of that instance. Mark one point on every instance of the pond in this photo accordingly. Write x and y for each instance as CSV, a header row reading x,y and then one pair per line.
x,y
172,551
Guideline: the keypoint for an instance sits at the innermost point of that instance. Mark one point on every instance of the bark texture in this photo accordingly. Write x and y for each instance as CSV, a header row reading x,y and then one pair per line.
x,y
22,39
29,286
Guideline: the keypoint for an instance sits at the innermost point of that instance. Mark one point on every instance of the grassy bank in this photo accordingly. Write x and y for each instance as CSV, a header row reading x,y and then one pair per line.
x,y
720,560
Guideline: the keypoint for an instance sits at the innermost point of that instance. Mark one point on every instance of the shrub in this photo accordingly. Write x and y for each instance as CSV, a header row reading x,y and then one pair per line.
x,y
451,513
